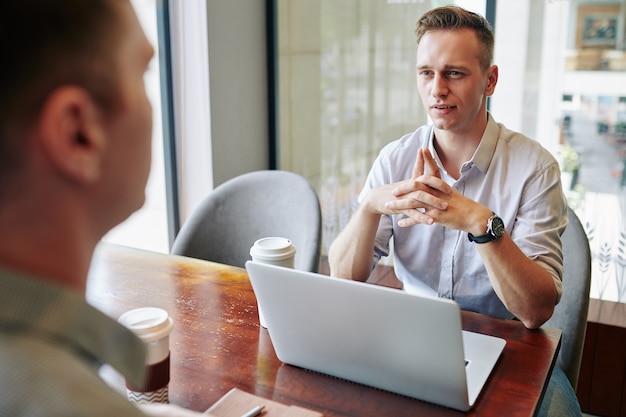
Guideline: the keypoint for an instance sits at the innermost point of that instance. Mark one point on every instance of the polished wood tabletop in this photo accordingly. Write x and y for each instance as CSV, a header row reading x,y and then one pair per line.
x,y
217,343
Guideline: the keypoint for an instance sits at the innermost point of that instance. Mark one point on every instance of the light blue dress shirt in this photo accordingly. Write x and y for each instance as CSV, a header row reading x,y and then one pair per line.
x,y
510,174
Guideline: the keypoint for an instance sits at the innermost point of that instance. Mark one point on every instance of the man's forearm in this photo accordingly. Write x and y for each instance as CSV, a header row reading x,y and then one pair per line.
x,y
351,253
526,288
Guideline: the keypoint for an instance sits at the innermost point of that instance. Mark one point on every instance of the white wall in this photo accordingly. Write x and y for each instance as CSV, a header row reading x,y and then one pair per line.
x,y
238,87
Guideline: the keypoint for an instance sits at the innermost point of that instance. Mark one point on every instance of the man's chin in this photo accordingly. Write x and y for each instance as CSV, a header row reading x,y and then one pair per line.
x,y
442,124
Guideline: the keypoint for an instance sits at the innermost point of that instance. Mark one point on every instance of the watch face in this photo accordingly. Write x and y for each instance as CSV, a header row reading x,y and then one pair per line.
x,y
497,226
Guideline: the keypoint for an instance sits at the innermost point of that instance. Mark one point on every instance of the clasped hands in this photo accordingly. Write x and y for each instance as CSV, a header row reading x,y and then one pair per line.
x,y
424,198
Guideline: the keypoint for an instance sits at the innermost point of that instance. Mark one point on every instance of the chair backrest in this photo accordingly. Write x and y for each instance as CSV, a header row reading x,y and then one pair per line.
x,y
570,315
251,206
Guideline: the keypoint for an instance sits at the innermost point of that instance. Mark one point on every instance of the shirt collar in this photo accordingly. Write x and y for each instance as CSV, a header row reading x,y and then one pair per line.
x,y
485,150
63,317
487,146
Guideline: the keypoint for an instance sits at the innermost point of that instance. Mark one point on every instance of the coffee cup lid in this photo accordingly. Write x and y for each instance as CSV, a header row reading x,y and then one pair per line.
x,y
273,248
149,323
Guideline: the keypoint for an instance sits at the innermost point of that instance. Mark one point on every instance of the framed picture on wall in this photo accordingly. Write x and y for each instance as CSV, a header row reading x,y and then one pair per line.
x,y
598,27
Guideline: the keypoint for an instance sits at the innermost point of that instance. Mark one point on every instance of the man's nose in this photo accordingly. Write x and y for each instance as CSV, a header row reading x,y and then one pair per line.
x,y
439,86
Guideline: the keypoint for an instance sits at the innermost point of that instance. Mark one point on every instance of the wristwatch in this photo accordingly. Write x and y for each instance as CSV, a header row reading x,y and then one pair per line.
x,y
495,230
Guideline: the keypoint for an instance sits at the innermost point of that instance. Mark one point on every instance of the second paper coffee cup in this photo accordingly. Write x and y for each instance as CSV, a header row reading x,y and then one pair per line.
x,y
276,251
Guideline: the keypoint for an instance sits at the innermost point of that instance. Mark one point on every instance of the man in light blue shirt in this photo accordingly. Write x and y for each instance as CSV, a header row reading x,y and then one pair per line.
x,y
475,211
457,271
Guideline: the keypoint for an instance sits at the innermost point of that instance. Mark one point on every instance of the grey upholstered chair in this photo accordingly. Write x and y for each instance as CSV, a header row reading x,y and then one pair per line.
x,y
570,315
249,207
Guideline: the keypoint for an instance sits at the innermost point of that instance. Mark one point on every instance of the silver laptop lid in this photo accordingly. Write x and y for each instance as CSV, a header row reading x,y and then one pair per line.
x,y
365,333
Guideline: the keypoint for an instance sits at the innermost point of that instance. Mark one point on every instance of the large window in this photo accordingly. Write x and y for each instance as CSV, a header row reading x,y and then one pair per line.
x,y
593,116
346,87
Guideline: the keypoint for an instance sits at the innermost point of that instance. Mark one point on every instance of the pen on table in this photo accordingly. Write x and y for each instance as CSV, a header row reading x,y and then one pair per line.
x,y
255,411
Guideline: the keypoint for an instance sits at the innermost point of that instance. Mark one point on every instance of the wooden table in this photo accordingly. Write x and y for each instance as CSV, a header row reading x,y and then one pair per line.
x,y
217,343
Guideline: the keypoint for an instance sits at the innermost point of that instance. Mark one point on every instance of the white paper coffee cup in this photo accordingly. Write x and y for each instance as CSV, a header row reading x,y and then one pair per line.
x,y
153,325
276,251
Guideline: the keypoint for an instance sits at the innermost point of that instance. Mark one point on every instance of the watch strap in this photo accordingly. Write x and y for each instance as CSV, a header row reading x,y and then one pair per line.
x,y
491,234
487,237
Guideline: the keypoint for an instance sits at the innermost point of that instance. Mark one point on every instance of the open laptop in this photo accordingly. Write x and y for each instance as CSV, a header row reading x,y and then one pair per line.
x,y
377,336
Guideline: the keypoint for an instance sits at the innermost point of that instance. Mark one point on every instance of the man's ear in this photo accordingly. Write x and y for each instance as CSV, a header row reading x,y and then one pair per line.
x,y
492,80
71,134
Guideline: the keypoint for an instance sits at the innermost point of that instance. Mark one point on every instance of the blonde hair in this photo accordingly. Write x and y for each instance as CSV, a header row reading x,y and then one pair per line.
x,y
453,18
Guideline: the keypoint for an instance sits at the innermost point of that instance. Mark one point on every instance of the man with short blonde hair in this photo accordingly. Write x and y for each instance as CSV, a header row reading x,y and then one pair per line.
x,y
475,210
